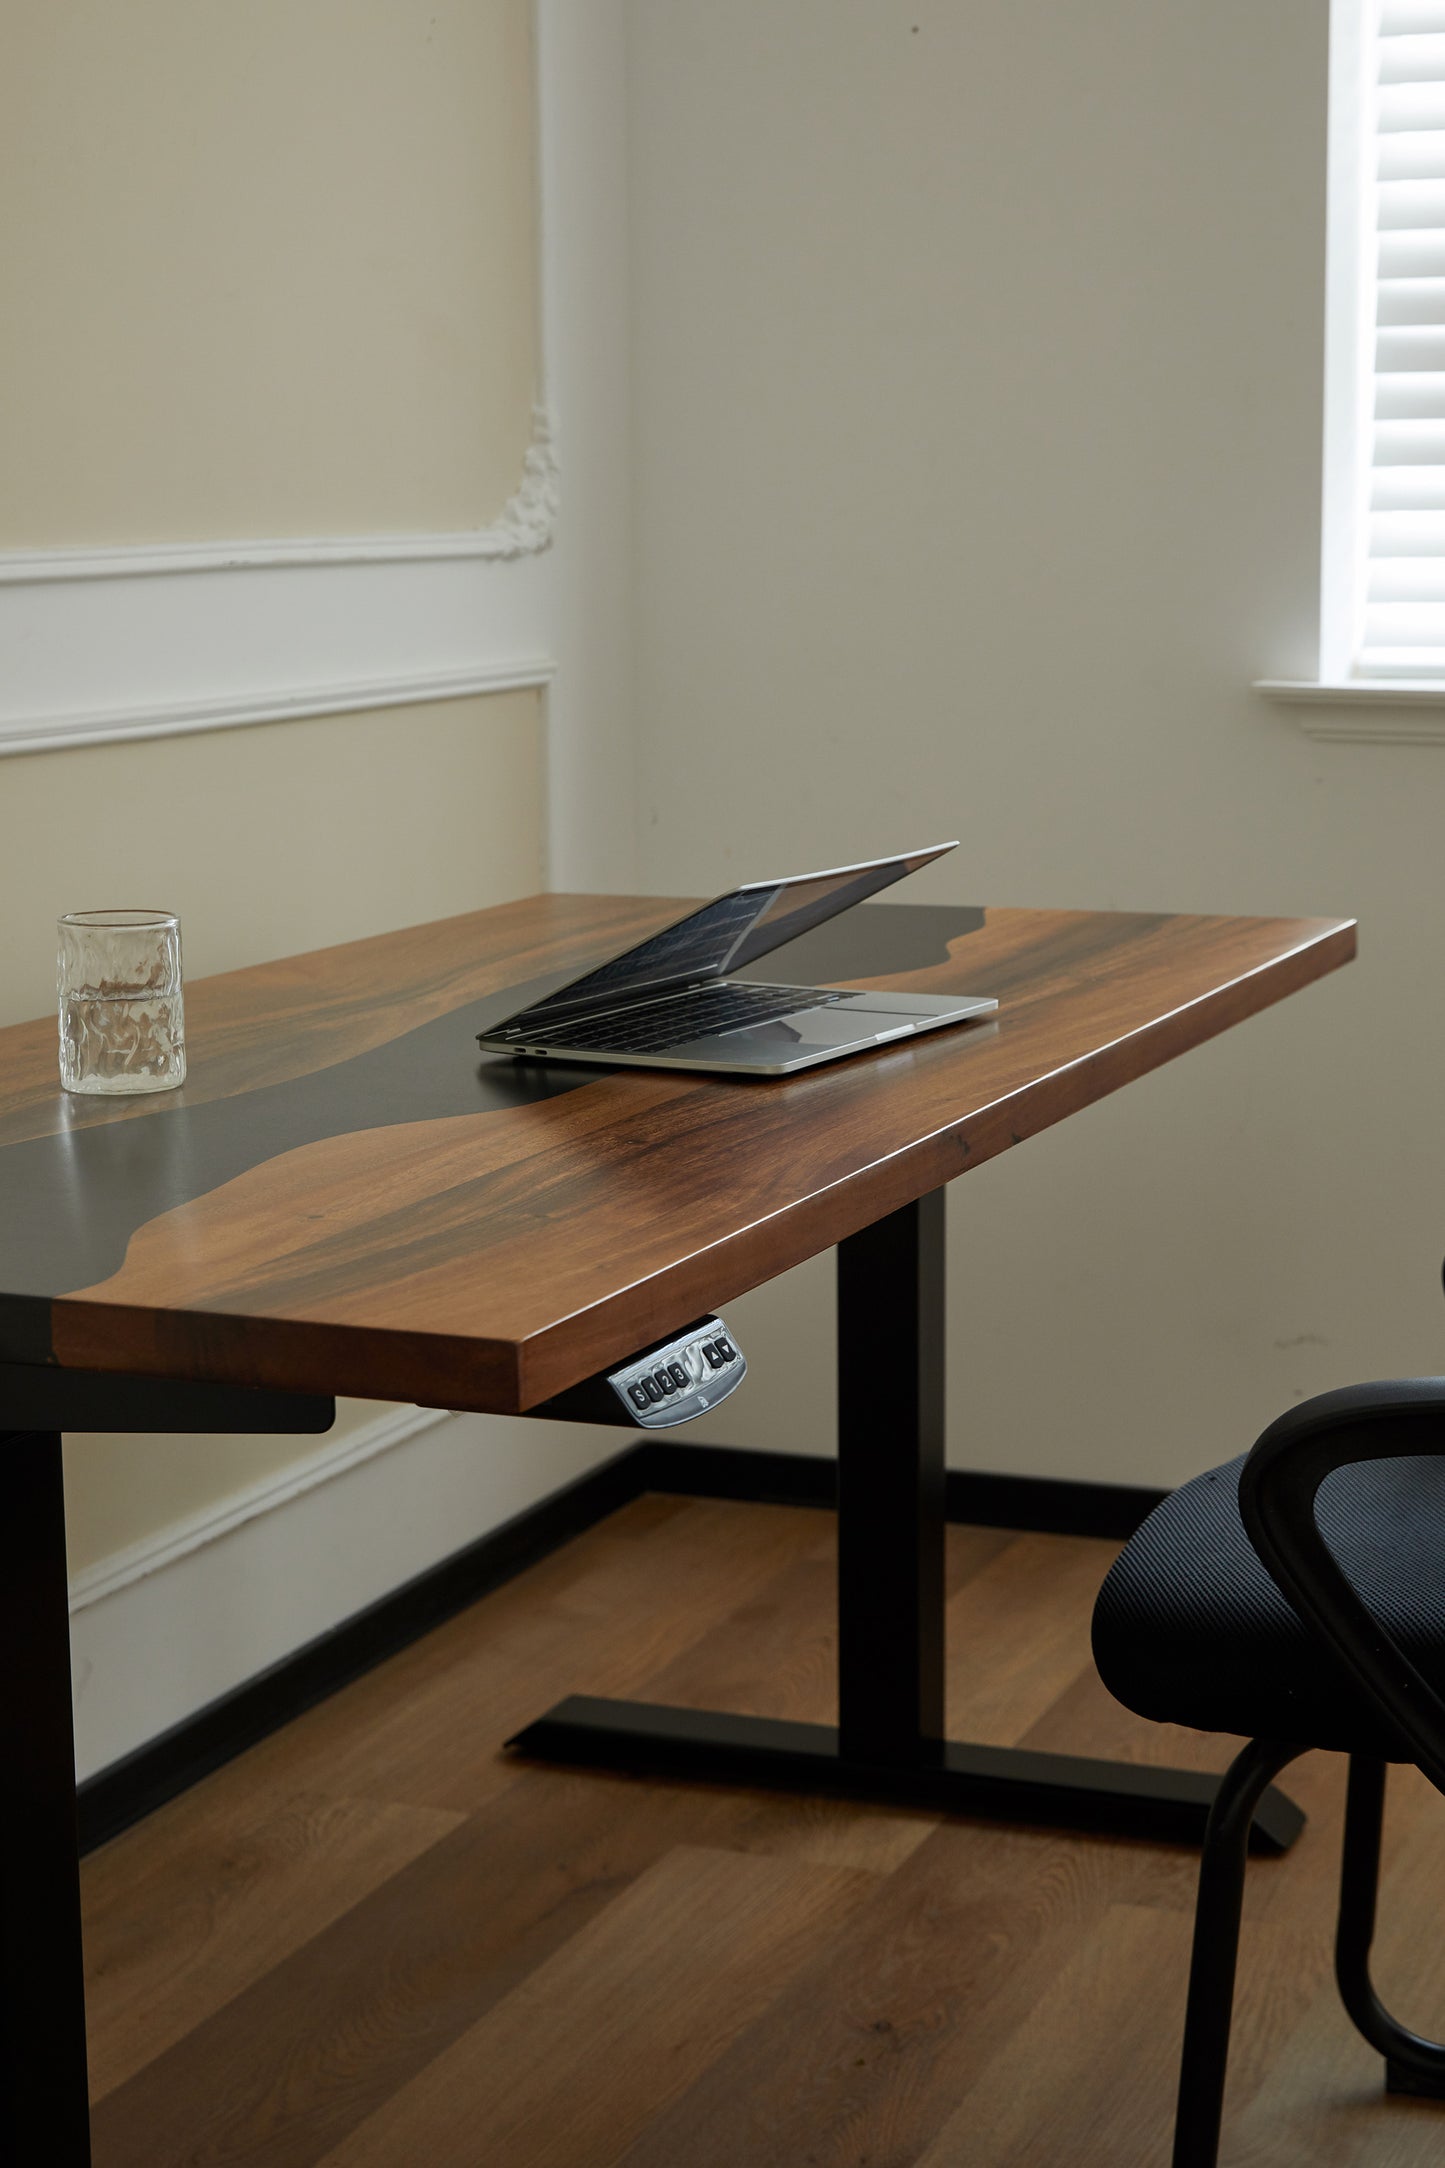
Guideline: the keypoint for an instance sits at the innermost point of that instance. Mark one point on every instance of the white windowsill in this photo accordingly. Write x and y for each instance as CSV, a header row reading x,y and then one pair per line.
x,y
1364,711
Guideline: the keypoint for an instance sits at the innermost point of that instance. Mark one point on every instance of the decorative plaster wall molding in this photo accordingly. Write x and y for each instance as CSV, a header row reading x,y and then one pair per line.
x,y
157,640
530,519
525,526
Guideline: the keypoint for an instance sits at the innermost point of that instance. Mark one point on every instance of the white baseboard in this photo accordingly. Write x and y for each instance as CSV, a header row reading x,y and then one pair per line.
x,y
160,1630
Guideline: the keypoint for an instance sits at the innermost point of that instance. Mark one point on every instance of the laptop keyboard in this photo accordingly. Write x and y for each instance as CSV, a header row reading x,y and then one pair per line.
x,y
688,1016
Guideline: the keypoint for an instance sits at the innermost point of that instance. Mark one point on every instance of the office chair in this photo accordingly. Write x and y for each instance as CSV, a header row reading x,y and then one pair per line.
x,y
1295,1596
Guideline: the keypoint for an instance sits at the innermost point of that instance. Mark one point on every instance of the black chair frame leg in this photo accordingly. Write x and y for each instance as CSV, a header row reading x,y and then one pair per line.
x,y
1216,1950
1412,2065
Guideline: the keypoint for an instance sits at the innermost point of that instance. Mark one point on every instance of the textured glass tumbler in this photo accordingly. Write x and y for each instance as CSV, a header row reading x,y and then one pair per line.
x,y
122,1017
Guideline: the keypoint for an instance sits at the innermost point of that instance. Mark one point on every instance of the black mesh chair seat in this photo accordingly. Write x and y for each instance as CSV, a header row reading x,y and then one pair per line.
x,y
1190,1628
1295,1597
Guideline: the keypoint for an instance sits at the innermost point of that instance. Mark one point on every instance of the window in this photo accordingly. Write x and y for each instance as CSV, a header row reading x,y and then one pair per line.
x,y
1383,613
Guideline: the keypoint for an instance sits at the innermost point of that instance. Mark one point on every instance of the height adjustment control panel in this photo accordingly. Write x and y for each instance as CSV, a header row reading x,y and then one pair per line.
x,y
681,1377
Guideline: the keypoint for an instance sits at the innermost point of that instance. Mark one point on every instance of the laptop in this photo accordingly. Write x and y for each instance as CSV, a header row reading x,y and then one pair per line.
x,y
671,1002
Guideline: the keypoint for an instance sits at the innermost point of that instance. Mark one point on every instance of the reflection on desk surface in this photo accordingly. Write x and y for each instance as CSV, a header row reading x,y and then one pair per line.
x,y
73,1199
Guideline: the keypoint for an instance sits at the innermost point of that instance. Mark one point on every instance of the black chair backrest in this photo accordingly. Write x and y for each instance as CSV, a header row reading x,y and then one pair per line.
x,y
1277,1490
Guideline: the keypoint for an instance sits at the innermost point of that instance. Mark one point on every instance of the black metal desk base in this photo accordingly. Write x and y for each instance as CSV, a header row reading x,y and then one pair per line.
x,y
1061,1790
888,1744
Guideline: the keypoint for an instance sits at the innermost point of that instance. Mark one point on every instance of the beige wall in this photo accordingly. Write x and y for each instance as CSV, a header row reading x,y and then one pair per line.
x,y
282,837
288,836
978,403
267,269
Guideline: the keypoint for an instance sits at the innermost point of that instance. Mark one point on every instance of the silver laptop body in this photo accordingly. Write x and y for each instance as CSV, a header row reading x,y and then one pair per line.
x,y
670,1002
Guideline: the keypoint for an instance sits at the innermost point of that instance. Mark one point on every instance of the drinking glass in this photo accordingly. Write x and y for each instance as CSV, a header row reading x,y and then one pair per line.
x,y
122,1015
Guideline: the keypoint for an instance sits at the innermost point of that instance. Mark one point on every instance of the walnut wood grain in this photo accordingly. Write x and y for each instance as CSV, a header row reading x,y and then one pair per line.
x,y
723,1934
275,1021
999,1996
488,1257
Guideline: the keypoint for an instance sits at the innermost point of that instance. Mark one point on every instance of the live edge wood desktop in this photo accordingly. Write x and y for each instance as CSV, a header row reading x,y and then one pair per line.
x,y
345,1198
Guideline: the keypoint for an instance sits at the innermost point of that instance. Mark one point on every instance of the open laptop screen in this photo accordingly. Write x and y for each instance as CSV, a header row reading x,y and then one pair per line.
x,y
732,931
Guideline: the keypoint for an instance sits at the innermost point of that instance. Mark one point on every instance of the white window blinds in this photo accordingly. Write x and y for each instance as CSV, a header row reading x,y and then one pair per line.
x,y
1402,576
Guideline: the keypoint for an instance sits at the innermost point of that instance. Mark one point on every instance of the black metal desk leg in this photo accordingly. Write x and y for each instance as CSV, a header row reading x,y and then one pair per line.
x,y
44,2103
889,1741
891,1488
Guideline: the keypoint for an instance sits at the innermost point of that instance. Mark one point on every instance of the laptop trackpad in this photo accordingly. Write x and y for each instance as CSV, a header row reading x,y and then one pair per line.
x,y
804,1031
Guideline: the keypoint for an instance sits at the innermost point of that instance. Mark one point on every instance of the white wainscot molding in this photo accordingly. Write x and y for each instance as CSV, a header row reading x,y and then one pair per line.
x,y
103,645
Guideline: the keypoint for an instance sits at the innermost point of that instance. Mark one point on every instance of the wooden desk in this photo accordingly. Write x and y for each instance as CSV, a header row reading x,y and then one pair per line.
x,y
346,1198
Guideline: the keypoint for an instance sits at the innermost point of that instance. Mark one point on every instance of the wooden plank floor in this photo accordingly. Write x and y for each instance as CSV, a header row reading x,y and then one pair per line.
x,y
375,1943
